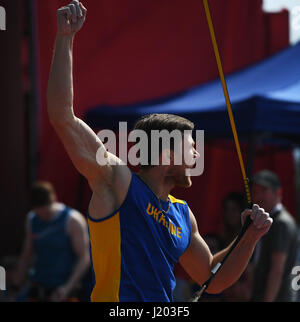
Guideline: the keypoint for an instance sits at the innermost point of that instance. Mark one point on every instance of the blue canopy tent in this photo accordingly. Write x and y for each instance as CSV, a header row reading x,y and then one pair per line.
x,y
265,98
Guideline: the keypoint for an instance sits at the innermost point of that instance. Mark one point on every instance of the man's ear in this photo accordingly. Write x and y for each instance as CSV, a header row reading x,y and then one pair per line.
x,y
279,193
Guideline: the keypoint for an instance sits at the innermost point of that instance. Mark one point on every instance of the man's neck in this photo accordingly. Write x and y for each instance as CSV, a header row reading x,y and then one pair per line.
x,y
56,208
276,208
156,179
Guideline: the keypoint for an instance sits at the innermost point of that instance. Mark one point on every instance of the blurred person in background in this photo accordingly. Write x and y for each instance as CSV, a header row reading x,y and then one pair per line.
x,y
295,272
276,252
56,248
234,203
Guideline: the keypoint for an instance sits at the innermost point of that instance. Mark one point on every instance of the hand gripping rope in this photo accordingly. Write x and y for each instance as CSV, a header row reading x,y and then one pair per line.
x,y
248,220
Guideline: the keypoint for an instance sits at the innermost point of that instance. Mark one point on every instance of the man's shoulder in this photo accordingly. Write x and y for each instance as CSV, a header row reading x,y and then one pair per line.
x,y
75,215
285,219
176,200
285,216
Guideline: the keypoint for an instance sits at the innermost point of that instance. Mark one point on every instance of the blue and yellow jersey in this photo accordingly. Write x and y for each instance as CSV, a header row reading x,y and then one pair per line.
x,y
134,249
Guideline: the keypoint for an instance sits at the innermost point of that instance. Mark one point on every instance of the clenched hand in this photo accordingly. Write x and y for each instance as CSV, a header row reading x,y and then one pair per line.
x,y
70,18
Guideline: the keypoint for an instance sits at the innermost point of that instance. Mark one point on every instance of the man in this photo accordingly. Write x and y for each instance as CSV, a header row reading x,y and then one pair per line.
x,y
57,244
233,205
277,250
137,229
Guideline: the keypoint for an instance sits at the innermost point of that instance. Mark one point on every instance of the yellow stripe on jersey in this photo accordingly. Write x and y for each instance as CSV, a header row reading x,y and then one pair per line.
x,y
105,237
174,200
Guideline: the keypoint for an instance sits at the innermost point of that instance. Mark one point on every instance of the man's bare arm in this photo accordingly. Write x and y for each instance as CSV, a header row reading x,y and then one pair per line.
x,y
198,261
78,138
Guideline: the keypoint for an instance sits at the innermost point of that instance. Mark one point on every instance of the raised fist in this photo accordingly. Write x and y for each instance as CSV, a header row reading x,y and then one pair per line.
x,y
71,18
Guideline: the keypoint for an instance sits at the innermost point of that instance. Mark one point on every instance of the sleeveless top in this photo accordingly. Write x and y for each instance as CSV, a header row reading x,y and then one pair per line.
x,y
54,255
134,249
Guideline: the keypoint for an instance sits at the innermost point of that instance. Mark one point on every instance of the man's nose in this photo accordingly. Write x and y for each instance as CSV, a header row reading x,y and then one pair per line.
x,y
196,154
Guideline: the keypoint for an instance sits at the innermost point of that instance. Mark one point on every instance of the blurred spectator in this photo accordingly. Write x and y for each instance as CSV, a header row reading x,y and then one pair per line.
x,y
56,249
296,291
241,290
213,241
233,205
276,253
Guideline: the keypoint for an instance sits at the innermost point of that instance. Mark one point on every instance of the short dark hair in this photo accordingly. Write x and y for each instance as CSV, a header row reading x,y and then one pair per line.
x,y
237,198
169,122
42,194
268,179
